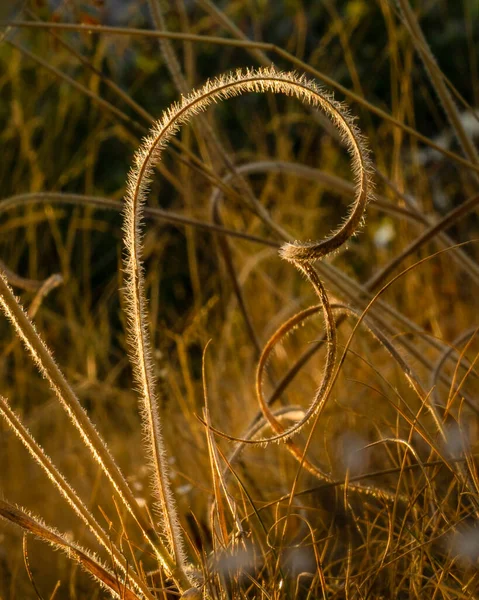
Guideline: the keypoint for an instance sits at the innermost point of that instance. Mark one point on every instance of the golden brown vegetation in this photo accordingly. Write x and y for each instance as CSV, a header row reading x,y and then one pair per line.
x,y
300,417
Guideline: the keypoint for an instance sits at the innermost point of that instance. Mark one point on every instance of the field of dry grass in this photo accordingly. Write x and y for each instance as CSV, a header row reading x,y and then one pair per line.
x,y
252,371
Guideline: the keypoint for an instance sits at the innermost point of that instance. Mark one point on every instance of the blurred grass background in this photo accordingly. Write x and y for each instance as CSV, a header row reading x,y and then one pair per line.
x,y
66,127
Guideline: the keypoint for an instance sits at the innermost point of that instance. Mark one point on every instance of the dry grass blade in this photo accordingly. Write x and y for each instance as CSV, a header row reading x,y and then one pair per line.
x,y
47,286
219,484
153,213
469,334
414,382
71,496
447,221
251,44
88,562
104,104
21,282
436,76
47,366
147,156
373,490
27,567
227,257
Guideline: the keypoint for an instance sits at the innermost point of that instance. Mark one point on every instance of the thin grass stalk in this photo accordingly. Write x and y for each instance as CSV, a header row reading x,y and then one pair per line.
x,y
331,351
219,483
127,99
30,285
430,464
71,497
437,80
468,264
300,64
359,294
47,366
102,103
26,561
171,60
415,384
146,158
47,286
207,133
154,213
85,559
435,373
230,268
222,19
455,389
447,221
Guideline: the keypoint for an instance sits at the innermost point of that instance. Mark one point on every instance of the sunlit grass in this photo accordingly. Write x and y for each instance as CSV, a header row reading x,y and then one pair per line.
x,y
376,494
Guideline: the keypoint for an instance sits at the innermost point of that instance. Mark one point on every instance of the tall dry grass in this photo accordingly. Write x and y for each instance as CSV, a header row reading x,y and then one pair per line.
x,y
273,454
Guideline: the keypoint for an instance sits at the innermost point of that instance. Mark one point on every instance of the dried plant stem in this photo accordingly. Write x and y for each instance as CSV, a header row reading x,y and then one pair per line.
x,y
102,103
456,468
149,154
49,369
470,333
47,286
227,256
322,392
447,221
248,44
219,483
437,79
156,11
254,50
153,213
217,150
32,285
71,496
87,561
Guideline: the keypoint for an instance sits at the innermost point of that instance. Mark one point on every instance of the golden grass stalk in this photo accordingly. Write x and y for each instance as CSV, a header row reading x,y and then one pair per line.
x,y
206,132
219,482
154,213
31,285
148,155
64,488
85,559
241,43
437,79
49,369
467,335
47,286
